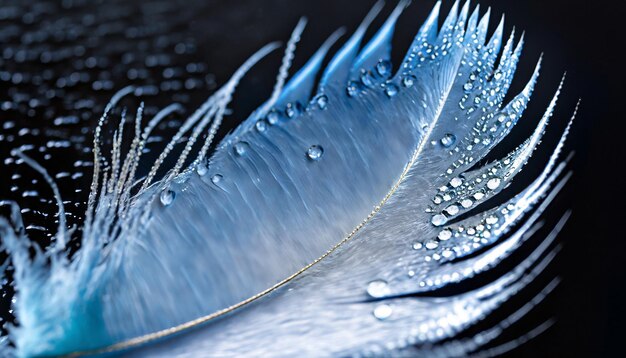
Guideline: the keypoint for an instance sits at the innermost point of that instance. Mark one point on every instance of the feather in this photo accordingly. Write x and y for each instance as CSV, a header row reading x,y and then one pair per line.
x,y
320,226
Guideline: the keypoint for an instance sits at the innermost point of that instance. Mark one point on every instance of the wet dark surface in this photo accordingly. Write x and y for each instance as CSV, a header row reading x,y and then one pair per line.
x,y
60,62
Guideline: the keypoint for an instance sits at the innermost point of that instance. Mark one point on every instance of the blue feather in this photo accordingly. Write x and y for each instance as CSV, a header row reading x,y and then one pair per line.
x,y
316,222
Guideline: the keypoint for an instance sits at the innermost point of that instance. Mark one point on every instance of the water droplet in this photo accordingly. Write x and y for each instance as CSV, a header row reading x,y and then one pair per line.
x,y
491,220
452,210
382,311
272,117
417,246
167,197
448,140
383,67
431,245
241,148
456,182
391,90
468,86
293,109
479,195
353,88
493,183
261,126
438,220
409,81
377,288
466,203
367,80
444,235
321,101
201,169
315,152
216,178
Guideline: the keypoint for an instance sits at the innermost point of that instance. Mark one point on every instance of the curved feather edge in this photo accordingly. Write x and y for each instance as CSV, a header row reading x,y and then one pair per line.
x,y
392,179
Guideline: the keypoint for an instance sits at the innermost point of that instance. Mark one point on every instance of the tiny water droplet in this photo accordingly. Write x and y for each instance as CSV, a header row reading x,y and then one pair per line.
x,y
315,152
466,203
216,178
377,288
241,148
479,195
292,110
491,220
167,197
261,126
468,86
409,81
272,117
448,140
391,90
382,312
431,245
383,67
367,80
321,101
353,88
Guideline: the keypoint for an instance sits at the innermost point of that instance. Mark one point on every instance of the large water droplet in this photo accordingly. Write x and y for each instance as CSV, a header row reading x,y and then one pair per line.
x,y
466,203
382,311
448,140
167,197
438,220
493,183
315,152
201,169
452,210
456,182
444,235
241,148
377,288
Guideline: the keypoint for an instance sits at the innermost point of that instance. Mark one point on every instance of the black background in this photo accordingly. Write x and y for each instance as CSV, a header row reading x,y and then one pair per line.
x,y
583,38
